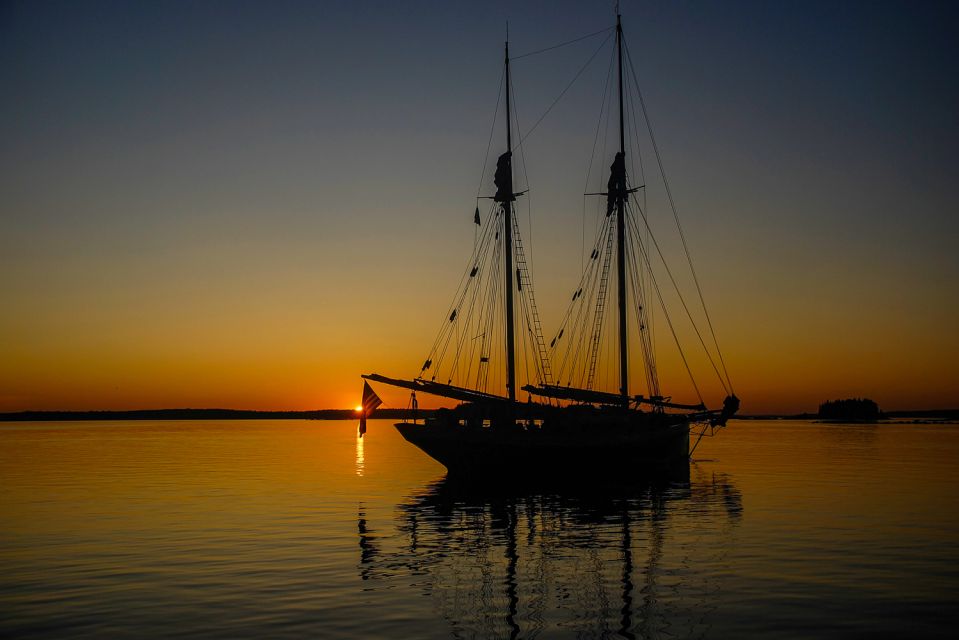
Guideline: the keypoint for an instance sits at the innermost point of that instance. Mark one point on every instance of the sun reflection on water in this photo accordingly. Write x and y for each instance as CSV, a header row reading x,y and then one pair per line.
x,y
360,458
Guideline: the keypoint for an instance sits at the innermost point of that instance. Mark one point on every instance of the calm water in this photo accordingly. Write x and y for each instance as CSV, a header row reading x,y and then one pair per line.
x,y
295,528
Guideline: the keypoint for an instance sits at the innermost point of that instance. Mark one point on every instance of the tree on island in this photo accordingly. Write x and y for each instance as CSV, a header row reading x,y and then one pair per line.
x,y
850,409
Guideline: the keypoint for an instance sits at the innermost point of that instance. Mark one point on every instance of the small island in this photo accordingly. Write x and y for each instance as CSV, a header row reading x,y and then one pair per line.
x,y
850,410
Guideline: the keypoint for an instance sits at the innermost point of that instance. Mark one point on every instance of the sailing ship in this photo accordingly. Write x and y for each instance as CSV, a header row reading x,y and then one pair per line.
x,y
568,423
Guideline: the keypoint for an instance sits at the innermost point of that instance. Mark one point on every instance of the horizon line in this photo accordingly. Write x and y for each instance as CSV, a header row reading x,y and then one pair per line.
x,y
35,415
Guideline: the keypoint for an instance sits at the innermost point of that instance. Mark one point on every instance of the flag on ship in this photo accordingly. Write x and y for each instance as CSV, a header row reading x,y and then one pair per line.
x,y
370,402
370,399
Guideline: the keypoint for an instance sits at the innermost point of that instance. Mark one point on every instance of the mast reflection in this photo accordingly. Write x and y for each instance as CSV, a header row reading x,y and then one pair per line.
x,y
368,548
608,559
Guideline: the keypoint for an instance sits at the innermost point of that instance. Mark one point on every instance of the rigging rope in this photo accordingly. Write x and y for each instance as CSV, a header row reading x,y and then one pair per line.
x,y
563,93
522,155
489,142
682,300
562,44
669,322
607,94
528,301
477,308
682,235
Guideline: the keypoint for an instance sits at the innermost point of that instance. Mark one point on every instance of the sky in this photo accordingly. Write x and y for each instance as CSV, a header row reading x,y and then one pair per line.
x,y
249,204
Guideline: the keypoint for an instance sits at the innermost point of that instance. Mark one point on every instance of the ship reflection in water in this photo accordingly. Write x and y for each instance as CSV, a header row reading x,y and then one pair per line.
x,y
590,561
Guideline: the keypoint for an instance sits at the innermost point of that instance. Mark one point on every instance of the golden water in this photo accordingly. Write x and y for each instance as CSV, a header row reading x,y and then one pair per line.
x,y
294,528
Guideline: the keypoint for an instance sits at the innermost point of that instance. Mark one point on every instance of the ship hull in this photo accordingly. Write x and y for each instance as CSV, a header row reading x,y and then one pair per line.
x,y
581,450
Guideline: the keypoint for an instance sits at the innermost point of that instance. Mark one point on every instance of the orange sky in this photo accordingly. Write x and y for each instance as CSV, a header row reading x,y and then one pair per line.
x,y
159,338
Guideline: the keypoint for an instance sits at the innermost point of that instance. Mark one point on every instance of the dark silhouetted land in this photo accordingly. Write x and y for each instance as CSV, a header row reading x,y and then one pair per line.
x,y
850,409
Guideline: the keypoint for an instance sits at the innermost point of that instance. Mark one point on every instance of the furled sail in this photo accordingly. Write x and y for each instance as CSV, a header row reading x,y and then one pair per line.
x,y
503,178
616,187
438,389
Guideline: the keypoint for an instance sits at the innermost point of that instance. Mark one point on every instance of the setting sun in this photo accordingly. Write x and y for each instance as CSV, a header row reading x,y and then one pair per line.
x,y
358,408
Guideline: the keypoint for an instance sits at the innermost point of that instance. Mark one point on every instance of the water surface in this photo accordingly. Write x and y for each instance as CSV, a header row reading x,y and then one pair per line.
x,y
293,528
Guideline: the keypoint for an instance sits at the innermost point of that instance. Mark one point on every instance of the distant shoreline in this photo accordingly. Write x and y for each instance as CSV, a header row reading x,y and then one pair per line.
x,y
203,414
918,416
349,414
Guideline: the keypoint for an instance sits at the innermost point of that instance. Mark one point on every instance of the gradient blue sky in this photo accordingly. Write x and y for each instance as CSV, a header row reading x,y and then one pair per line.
x,y
247,204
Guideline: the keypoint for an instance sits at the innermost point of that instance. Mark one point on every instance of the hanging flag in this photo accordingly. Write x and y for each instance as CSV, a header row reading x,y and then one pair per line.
x,y
476,218
370,402
370,399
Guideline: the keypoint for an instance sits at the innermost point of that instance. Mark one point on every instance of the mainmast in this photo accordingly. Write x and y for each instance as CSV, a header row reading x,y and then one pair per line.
x,y
620,230
508,242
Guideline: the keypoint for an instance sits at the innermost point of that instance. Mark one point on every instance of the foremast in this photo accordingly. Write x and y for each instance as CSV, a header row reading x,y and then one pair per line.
x,y
508,256
619,184
505,196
